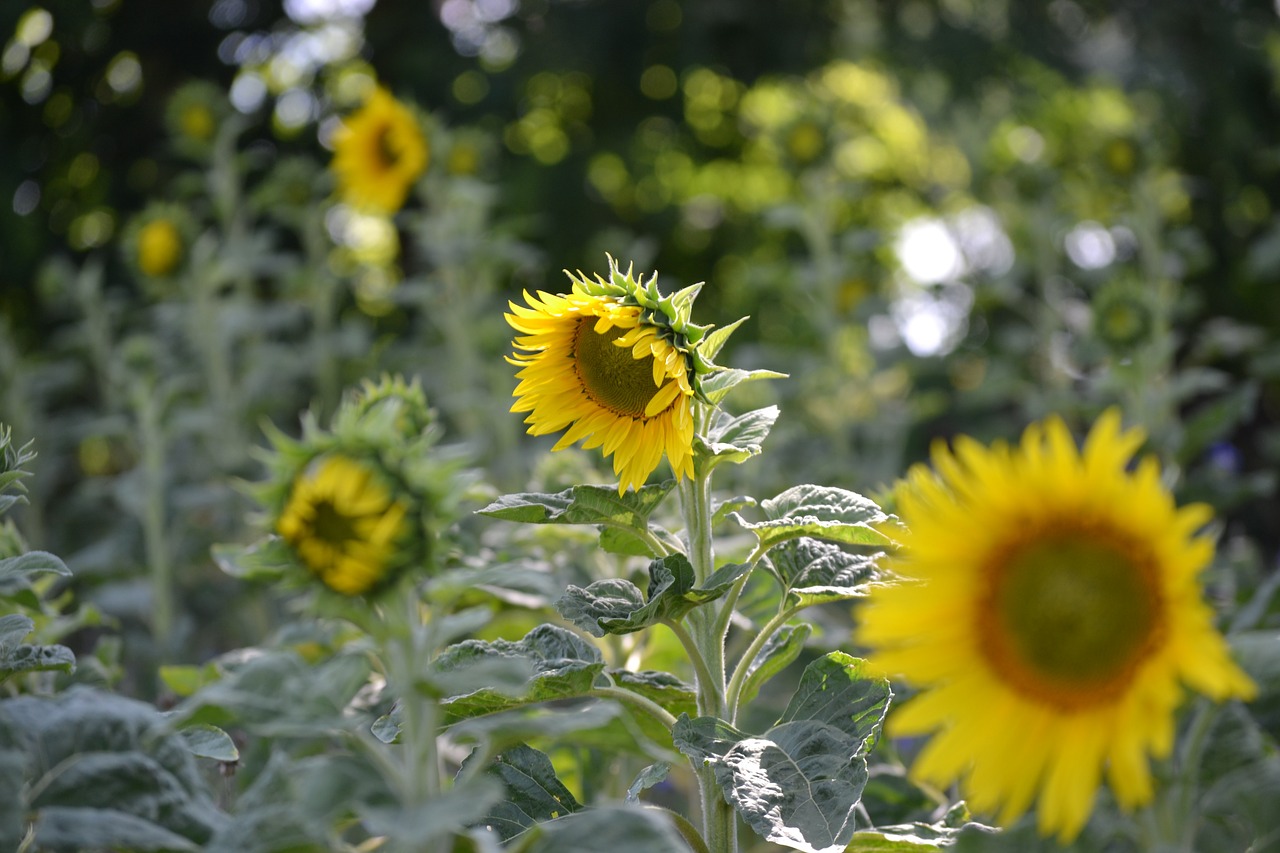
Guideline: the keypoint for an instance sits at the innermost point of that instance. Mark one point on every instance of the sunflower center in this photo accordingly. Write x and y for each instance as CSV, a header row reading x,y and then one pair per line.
x,y
610,374
388,153
332,526
1067,621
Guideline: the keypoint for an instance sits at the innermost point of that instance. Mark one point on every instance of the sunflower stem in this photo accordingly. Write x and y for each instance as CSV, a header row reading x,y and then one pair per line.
x,y
409,642
705,644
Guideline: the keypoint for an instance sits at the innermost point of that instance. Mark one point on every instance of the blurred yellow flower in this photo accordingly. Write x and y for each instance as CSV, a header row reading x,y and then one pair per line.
x,y
344,525
197,121
592,364
1050,613
378,152
159,247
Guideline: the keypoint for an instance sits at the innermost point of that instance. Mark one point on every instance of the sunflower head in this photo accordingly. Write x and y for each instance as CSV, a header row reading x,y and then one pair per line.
x,y
378,153
1049,612
1123,316
361,502
157,241
193,116
617,365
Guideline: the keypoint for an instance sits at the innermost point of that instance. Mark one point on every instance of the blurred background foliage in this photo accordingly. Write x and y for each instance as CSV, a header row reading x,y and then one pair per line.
x,y
943,216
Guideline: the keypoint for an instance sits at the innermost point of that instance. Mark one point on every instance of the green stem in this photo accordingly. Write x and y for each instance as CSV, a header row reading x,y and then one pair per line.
x,y
410,643
730,602
705,644
653,709
147,407
771,627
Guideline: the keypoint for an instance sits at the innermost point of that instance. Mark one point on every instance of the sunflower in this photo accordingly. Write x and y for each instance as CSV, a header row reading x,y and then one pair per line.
x,y
159,248
378,153
608,364
344,525
1050,613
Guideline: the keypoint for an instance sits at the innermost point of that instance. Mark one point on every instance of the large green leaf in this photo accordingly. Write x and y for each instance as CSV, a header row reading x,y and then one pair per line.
x,y
781,649
76,828
821,511
264,560
611,828
94,756
533,792
210,742
615,606
12,772
816,572
27,658
733,438
799,783
426,827
583,505
31,563
548,663
520,725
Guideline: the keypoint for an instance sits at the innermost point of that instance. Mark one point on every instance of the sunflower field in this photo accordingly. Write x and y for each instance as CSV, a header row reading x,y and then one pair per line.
x,y
639,426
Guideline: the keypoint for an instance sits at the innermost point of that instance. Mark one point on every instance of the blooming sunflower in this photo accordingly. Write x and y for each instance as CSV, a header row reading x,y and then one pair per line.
x,y
615,365
344,525
1050,612
378,152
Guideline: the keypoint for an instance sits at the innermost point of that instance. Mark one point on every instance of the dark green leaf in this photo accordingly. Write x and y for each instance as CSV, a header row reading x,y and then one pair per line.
x,y
12,782
36,659
799,783
661,687
781,649
583,505
73,829
821,511
533,792
32,563
557,664
424,827
614,606
207,741
648,777
817,572
612,828
521,725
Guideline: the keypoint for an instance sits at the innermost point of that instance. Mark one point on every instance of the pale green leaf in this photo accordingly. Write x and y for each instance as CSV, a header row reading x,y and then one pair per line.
x,y
27,658
263,560
609,828
207,741
735,438
817,572
582,505
716,386
648,777
781,649
824,512
31,563
71,829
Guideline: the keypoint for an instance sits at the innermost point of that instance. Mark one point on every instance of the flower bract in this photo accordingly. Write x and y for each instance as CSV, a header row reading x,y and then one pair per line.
x,y
344,525
609,366
378,153
1051,615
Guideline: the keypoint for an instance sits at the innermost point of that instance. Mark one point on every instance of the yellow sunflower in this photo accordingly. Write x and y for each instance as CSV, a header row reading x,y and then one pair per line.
x,y
601,365
344,525
1050,613
160,247
378,152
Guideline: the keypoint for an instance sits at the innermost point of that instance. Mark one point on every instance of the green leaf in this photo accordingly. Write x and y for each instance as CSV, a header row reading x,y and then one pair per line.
x,y
817,572
265,560
533,792
552,663
616,828
615,540
652,775
735,439
799,783
32,563
778,653
716,339
185,680
207,741
387,727
423,827
583,505
821,511
26,658
13,628
716,386
615,606
73,829
13,763
508,728
661,687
